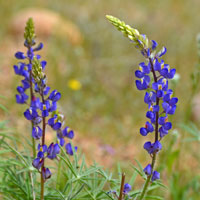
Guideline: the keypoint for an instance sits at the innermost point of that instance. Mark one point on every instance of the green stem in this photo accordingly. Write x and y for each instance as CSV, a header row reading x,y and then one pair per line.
x,y
156,138
148,178
58,174
33,145
42,187
43,142
31,98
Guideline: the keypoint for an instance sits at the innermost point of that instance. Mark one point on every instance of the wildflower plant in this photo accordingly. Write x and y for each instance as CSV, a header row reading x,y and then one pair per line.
x,y
75,180
42,108
153,77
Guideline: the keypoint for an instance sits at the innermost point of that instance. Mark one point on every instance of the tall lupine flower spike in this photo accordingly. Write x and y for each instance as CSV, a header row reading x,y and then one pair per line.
x,y
42,110
153,76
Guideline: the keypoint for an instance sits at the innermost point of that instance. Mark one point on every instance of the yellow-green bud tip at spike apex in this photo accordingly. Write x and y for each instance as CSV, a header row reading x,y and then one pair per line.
x,y
140,41
29,33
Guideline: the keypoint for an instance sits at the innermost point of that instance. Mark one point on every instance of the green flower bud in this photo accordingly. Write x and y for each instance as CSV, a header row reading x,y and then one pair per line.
x,y
29,33
140,41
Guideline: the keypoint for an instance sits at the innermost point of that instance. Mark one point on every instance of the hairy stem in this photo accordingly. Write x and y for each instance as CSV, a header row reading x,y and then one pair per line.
x,y
43,142
31,98
145,188
148,178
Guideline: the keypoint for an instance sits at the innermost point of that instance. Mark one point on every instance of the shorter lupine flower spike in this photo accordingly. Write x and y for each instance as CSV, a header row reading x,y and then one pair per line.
x,y
155,176
127,188
42,103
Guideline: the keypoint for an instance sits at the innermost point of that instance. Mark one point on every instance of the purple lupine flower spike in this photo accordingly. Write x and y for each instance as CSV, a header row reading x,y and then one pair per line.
x,y
42,103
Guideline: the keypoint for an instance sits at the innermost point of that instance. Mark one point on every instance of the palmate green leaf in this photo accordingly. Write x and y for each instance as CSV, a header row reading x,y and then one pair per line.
x,y
77,192
11,162
104,174
54,194
15,183
83,164
18,154
68,163
88,172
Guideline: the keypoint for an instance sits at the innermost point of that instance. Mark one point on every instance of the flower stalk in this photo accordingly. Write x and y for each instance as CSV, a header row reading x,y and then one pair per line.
x,y
42,109
153,75
122,187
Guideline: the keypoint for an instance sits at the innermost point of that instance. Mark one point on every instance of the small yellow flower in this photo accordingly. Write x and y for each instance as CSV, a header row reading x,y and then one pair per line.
x,y
74,84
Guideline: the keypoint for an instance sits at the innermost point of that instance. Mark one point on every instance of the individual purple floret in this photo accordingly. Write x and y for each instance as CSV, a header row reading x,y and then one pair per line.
x,y
46,173
147,170
155,176
127,188
69,149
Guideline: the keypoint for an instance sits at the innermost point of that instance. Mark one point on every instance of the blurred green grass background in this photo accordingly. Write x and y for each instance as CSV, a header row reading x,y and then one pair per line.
x,y
107,111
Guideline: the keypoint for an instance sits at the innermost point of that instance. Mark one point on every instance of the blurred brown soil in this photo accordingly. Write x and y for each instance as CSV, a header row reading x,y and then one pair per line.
x,y
46,23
